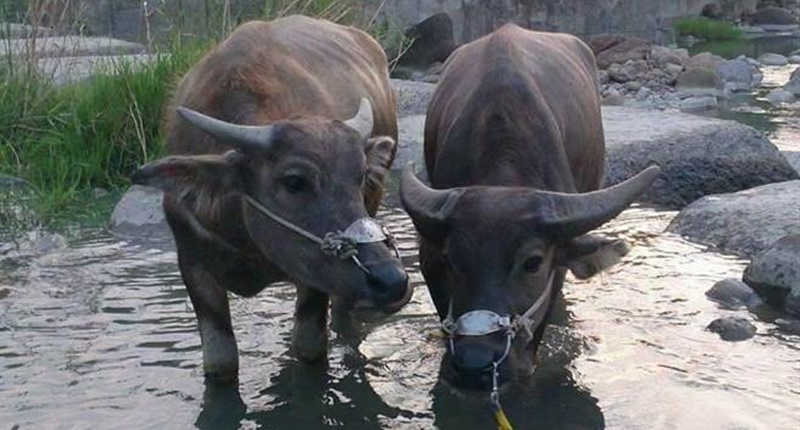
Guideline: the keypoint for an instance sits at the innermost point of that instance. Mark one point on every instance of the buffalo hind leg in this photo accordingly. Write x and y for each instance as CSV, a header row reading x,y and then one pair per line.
x,y
310,333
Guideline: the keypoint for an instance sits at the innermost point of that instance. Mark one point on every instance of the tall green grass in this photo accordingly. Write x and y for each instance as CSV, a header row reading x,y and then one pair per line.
x,y
707,29
66,140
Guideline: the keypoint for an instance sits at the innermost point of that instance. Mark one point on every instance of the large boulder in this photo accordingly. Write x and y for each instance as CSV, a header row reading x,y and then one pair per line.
x,y
745,223
662,55
739,74
698,156
696,79
775,274
704,60
774,18
771,59
631,48
793,86
432,42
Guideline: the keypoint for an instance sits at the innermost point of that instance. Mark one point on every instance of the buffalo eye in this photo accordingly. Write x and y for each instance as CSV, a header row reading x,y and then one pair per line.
x,y
532,264
295,184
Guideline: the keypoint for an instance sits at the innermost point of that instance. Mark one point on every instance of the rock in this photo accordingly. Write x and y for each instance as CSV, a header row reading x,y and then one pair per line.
x,y
793,86
613,99
698,156
794,59
631,48
699,81
602,77
733,294
432,42
788,326
733,329
139,215
619,73
412,97
41,242
662,56
602,42
633,86
23,31
410,142
774,18
673,70
711,11
99,193
70,46
694,104
704,60
67,70
775,274
779,97
745,223
770,59
793,157
738,74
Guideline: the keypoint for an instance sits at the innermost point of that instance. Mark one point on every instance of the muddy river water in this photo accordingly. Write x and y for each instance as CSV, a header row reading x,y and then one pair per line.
x,y
99,333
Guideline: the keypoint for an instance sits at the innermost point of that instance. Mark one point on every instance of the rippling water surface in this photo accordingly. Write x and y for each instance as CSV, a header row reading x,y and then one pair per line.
x,y
101,334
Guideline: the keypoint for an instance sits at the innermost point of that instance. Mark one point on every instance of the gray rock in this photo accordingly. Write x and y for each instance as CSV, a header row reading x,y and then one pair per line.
x,y
793,157
704,60
412,97
662,56
773,16
139,215
794,59
699,78
738,74
99,193
633,86
628,49
66,70
793,86
733,294
410,142
41,242
673,70
745,223
770,59
620,73
700,103
733,329
70,46
613,99
775,274
698,156
778,97
788,326
23,31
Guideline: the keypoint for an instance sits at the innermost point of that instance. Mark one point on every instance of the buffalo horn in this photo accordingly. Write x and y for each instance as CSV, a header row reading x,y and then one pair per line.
x,y
566,216
243,137
362,122
428,208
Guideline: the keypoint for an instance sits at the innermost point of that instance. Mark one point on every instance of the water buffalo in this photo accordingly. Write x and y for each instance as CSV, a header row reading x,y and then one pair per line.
x,y
514,150
270,181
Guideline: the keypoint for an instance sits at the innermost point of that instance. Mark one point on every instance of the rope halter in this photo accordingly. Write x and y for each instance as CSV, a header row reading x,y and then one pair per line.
x,y
340,244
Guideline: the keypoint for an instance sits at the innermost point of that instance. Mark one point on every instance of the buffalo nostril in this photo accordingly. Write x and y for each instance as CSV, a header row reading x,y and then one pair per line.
x,y
388,284
473,360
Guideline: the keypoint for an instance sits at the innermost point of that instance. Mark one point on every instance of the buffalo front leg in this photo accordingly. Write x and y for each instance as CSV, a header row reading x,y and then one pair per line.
x,y
210,301
310,333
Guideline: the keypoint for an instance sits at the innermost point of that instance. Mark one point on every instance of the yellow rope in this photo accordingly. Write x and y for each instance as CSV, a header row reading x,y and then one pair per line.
x,y
502,420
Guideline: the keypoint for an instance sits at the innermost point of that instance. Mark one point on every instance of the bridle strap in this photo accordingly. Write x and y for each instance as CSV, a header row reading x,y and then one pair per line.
x,y
282,221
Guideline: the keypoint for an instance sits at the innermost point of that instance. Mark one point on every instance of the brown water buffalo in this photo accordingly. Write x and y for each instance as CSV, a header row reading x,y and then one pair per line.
x,y
270,181
514,150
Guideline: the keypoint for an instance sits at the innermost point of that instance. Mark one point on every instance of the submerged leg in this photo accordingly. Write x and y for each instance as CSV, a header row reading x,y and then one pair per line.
x,y
310,334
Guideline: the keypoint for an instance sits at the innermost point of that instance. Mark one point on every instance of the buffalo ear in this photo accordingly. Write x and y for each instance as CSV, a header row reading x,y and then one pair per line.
x,y
380,154
588,255
199,182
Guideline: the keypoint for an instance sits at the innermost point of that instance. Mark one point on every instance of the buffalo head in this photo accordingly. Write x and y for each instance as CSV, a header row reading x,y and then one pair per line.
x,y
311,173
492,254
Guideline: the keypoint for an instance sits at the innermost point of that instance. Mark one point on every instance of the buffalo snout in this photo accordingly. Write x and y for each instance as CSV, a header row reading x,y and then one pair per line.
x,y
472,361
387,285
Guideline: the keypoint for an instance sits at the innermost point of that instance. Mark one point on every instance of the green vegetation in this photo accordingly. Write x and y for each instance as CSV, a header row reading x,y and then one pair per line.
x,y
67,140
707,29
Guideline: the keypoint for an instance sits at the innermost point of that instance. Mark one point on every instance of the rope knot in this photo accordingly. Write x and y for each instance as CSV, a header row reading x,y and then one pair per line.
x,y
337,245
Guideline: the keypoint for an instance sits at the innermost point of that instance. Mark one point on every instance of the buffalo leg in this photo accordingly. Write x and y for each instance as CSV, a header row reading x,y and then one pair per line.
x,y
310,334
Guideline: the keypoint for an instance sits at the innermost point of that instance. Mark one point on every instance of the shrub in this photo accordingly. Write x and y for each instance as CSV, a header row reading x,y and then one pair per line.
x,y
708,29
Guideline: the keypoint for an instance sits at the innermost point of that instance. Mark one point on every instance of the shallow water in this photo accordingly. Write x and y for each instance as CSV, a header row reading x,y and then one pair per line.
x,y
101,334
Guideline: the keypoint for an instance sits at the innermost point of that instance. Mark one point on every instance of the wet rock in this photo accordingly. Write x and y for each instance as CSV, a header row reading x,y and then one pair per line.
x,y
793,85
662,56
793,157
770,59
41,242
745,223
733,329
788,326
412,97
613,99
694,104
775,274
633,86
673,71
624,50
698,156
620,73
794,59
699,81
739,74
139,215
778,97
733,294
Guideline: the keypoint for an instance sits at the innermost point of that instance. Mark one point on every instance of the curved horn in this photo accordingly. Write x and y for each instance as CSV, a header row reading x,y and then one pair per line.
x,y
428,208
570,215
362,122
242,136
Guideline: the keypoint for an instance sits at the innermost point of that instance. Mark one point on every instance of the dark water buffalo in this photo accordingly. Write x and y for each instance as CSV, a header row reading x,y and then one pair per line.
x,y
270,181
514,149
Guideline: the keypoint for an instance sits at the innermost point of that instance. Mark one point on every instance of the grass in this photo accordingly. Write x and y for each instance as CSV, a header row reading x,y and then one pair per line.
x,y
67,140
707,29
